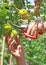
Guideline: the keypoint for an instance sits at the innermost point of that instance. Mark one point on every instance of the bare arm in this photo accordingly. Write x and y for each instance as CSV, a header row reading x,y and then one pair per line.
x,y
16,49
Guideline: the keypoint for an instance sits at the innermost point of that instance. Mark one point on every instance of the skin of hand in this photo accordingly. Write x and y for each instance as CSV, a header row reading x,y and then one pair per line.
x,y
31,31
16,49
33,27
44,26
40,28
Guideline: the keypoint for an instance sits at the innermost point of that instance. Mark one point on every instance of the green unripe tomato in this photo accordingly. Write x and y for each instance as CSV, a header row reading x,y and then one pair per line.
x,y
23,13
14,33
7,27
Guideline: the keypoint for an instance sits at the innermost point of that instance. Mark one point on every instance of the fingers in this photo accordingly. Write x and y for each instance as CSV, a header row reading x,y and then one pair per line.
x,y
44,24
31,25
18,39
19,48
23,30
15,54
11,40
13,47
7,38
11,43
34,29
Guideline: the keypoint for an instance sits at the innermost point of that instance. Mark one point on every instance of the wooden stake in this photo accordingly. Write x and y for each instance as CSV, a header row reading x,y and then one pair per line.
x,y
3,45
11,62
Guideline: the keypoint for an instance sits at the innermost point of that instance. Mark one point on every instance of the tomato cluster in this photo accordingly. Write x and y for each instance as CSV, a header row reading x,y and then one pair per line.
x,y
9,30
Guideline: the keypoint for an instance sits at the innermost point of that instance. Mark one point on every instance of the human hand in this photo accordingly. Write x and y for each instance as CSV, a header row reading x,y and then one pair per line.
x,y
34,28
16,48
31,31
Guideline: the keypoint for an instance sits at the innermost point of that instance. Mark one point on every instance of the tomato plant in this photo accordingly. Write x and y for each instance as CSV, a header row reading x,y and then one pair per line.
x,y
16,12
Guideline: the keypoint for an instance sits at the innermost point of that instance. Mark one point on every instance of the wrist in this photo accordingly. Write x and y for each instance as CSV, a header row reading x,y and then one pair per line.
x,y
21,61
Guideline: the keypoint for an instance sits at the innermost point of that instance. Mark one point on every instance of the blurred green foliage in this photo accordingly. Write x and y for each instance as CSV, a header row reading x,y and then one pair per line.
x,y
35,50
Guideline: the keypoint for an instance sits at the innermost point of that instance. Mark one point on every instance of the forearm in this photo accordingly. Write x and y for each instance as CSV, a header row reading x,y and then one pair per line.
x,y
21,61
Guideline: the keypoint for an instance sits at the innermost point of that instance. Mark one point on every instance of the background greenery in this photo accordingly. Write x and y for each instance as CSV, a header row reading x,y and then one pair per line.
x,y
35,50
